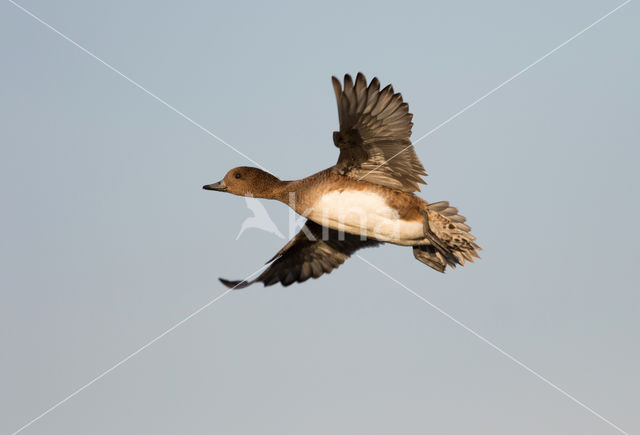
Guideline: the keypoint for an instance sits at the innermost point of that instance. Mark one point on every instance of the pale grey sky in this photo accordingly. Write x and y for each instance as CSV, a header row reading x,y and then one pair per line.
x,y
108,239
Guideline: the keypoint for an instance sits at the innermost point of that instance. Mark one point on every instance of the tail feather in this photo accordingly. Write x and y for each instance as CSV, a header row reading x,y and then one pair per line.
x,y
449,242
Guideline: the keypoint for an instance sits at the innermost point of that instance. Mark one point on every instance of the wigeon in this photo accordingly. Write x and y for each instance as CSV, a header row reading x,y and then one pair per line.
x,y
364,200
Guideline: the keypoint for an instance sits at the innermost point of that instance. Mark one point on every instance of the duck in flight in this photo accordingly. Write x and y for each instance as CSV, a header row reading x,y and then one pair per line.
x,y
365,200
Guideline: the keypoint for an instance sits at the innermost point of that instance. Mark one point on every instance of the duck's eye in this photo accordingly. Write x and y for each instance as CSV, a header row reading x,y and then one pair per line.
x,y
237,175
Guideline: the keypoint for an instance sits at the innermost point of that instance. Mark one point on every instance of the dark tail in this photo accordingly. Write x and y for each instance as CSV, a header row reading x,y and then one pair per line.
x,y
449,241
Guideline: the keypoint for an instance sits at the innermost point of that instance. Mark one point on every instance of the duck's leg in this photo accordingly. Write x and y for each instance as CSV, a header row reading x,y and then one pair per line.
x,y
447,237
434,253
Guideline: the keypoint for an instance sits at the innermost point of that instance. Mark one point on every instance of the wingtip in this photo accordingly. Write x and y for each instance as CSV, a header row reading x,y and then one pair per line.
x,y
337,87
348,81
388,89
234,285
375,84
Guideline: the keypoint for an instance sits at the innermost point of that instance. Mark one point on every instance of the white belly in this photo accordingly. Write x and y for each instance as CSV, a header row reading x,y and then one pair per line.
x,y
365,213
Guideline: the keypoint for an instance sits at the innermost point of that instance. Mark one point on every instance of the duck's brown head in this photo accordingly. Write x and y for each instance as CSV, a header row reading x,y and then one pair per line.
x,y
247,181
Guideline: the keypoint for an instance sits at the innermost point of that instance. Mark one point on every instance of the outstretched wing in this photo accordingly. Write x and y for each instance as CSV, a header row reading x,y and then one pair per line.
x,y
375,126
314,251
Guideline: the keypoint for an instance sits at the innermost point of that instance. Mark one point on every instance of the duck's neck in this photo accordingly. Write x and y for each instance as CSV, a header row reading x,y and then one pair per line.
x,y
295,193
273,188
284,191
